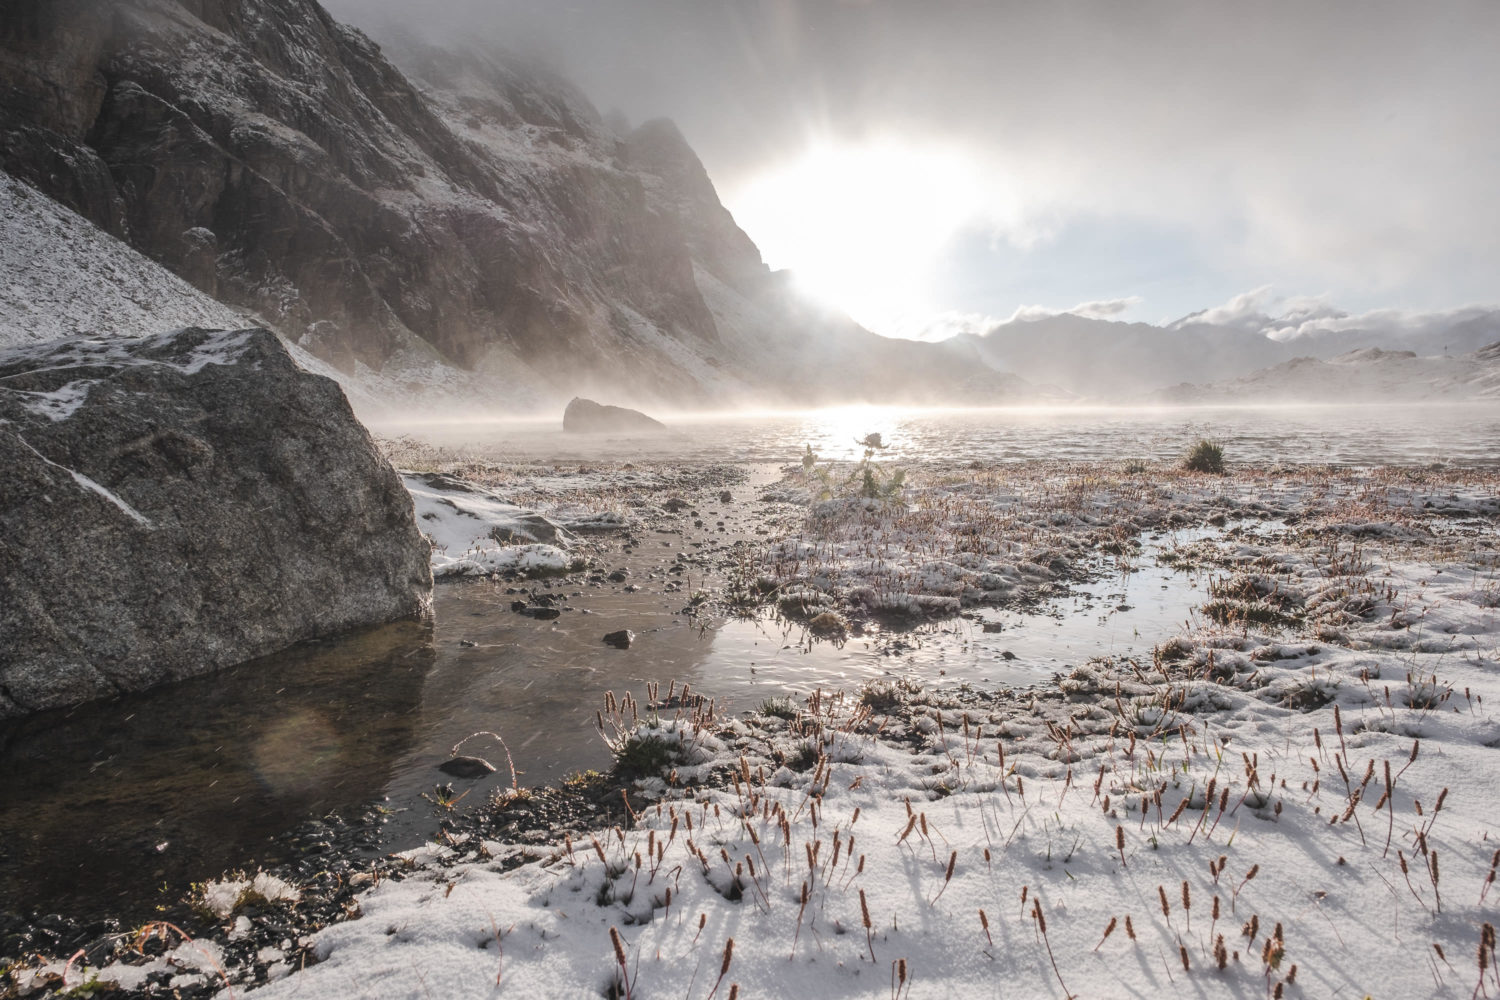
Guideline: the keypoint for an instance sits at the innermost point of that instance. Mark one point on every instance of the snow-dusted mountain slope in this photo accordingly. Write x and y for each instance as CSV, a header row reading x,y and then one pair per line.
x,y
61,276
1367,375
481,230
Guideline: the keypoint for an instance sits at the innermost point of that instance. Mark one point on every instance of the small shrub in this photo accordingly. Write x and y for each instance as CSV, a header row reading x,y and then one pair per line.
x,y
1309,696
778,708
1205,456
647,755
887,696
804,758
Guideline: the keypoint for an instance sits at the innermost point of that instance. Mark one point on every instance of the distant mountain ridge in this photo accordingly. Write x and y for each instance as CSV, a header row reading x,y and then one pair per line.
x,y
473,227
1116,361
1366,375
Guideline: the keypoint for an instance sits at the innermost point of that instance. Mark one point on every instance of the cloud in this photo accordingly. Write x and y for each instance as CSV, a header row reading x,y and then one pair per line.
x,y
1262,311
1246,310
951,324
1106,308
1102,309
1341,145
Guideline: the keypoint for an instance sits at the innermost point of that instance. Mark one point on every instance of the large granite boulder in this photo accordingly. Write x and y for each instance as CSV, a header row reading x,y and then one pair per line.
x,y
174,504
584,416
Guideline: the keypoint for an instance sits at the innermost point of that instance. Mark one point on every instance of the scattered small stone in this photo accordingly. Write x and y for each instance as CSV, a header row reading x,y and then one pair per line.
x,y
1007,655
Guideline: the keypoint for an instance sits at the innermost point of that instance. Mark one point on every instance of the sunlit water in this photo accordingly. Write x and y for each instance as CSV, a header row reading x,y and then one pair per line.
x,y
107,804
1342,435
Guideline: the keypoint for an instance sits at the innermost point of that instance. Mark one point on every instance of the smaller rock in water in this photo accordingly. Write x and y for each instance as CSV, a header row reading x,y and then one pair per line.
x,y
621,639
619,575
584,416
726,497
467,767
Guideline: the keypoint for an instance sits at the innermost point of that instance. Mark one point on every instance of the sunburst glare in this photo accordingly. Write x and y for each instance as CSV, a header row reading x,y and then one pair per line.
x,y
861,226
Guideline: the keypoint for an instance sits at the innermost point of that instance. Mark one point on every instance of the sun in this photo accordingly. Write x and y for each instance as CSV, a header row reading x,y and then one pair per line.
x,y
862,227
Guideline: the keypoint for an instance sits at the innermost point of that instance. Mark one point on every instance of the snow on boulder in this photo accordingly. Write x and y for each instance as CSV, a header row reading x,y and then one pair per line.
x,y
474,531
584,416
183,502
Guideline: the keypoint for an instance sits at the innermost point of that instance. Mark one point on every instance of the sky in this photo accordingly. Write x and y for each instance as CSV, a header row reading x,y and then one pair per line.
x,y
938,166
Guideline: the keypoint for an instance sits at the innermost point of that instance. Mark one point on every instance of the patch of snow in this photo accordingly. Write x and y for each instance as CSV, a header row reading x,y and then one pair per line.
x,y
91,486
475,532
59,404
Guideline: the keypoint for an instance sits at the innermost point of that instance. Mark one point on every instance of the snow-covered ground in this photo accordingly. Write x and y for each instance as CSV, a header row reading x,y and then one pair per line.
x,y
1294,798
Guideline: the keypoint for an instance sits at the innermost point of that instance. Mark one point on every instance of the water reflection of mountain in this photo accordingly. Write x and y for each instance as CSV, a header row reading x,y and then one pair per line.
x,y
104,804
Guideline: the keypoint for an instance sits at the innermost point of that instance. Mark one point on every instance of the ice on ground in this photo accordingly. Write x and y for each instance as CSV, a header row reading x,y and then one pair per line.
x,y
223,898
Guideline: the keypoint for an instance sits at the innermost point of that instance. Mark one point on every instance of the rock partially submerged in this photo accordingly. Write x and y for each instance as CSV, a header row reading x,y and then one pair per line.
x,y
180,503
584,416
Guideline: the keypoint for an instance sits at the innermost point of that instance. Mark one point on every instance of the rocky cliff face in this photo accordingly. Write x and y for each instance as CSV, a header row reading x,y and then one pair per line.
x,y
179,503
480,226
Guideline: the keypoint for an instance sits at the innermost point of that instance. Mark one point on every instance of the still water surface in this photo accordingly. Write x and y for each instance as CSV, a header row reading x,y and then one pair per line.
x,y
1403,434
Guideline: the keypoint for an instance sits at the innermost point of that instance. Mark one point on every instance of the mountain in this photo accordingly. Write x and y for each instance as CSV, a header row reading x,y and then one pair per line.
x,y
1116,361
1111,360
467,229
1366,375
